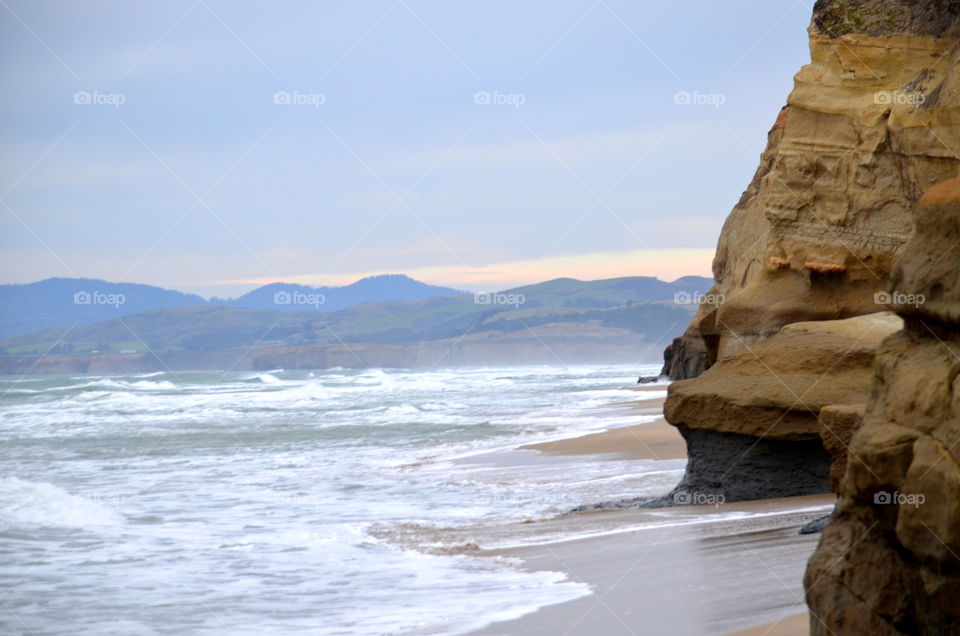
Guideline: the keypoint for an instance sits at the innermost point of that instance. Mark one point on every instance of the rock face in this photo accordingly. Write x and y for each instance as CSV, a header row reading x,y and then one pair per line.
x,y
889,562
872,122
751,421
777,388
829,229
685,357
838,423
779,370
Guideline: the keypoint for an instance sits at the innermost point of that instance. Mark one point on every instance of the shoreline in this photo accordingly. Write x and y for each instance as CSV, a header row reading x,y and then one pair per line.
x,y
731,568
655,440
717,579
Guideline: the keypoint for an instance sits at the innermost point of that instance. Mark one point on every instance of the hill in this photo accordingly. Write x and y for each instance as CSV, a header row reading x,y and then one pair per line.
x,y
382,288
77,302
641,308
62,302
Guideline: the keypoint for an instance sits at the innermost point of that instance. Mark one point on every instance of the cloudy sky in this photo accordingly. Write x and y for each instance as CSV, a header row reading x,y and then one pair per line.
x,y
211,146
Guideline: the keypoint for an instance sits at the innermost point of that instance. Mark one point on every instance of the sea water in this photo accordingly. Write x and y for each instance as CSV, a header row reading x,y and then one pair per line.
x,y
241,502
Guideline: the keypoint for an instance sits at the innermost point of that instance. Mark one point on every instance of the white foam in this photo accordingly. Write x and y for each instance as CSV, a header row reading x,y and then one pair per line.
x,y
163,385
207,502
27,503
268,378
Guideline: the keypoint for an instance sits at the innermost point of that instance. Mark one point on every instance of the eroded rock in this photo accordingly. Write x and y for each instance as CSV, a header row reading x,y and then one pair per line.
x,y
889,562
872,122
751,421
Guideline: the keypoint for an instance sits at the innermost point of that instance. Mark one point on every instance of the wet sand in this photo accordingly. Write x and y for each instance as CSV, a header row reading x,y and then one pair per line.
x,y
796,625
653,440
649,440
655,575
697,570
689,570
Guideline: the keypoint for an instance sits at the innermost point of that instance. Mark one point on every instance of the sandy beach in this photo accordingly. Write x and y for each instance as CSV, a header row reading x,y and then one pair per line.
x,y
733,568
650,440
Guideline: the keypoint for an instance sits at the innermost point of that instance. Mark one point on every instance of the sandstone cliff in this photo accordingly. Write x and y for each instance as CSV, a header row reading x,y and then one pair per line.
x,y
752,422
833,226
872,122
889,562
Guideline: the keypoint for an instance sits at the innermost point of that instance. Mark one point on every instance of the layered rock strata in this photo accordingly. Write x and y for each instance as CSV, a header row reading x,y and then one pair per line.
x,y
752,421
872,122
889,562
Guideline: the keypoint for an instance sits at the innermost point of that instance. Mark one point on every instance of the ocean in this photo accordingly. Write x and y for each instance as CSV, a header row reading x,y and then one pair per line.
x,y
245,502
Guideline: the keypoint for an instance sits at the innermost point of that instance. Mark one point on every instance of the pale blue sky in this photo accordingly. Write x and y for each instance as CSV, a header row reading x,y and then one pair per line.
x,y
201,182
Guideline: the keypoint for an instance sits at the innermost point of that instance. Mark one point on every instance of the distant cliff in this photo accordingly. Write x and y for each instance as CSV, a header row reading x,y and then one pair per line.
x,y
578,321
546,344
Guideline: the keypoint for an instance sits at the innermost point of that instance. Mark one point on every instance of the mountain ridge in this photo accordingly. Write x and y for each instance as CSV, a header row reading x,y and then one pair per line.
x,y
644,309
60,302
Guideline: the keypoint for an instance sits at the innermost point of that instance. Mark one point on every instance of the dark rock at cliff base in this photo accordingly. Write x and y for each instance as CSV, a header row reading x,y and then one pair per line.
x,y
649,379
817,525
685,357
743,467
727,467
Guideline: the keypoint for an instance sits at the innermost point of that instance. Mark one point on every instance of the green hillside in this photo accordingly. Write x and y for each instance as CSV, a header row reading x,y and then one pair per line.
x,y
641,305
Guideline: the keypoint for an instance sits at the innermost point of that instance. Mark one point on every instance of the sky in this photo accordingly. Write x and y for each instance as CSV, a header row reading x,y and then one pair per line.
x,y
214,146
